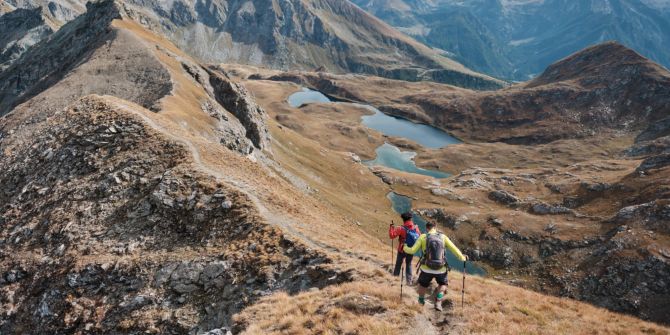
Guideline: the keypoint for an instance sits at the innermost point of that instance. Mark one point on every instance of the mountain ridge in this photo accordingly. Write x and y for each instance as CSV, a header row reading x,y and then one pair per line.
x,y
307,34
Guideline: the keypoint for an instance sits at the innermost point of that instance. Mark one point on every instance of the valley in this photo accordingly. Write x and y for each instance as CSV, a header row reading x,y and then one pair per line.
x,y
534,215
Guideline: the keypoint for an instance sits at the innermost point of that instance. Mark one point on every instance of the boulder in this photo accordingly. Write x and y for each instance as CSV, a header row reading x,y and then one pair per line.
x,y
503,197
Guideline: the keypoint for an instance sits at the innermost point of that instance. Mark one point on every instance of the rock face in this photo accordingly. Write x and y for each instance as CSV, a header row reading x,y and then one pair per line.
x,y
113,209
48,62
658,129
235,98
19,30
297,34
655,162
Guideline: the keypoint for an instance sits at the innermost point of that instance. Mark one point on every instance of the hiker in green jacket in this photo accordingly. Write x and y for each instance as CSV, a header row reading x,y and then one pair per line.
x,y
433,262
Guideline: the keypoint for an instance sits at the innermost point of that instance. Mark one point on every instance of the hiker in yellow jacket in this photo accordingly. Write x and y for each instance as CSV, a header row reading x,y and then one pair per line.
x,y
434,262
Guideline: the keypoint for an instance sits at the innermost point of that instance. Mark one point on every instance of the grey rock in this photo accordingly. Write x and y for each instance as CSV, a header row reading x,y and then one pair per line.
x,y
186,277
218,331
655,130
503,197
544,209
496,221
235,98
654,162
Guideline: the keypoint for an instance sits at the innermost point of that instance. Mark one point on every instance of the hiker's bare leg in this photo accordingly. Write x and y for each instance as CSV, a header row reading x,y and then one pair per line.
x,y
422,290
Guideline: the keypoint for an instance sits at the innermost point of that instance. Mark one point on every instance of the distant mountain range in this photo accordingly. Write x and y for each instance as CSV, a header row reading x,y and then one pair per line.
x,y
517,39
331,35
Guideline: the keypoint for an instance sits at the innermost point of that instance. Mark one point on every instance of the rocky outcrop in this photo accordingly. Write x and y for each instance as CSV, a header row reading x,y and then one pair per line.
x,y
654,215
19,30
235,98
541,208
503,197
131,236
440,216
657,146
631,285
233,134
655,130
654,162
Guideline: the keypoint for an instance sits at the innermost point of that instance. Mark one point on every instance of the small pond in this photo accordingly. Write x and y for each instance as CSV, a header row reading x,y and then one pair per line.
x,y
306,96
428,136
391,156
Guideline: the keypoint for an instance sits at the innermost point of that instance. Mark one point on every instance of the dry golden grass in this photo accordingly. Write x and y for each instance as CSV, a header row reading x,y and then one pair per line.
x,y
374,307
352,308
492,307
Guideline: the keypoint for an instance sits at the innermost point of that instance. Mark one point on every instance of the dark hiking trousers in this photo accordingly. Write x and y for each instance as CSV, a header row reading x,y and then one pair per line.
x,y
408,265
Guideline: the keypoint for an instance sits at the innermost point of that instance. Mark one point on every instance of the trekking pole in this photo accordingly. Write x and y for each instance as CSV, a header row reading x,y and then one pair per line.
x,y
463,291
392,252
402,277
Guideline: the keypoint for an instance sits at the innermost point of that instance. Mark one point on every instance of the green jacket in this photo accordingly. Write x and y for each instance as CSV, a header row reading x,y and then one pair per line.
x,y
421,244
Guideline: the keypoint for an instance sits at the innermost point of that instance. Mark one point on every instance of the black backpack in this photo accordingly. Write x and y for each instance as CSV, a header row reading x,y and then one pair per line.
x,y
434,257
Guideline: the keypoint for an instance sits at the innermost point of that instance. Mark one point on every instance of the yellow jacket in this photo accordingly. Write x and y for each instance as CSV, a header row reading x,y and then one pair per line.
x,y
421,243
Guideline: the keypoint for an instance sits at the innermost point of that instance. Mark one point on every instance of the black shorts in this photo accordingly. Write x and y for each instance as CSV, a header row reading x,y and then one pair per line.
x,y
425,278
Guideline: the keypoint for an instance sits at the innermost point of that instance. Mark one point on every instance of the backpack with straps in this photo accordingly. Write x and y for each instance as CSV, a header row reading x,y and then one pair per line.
x,y
434,257
411,236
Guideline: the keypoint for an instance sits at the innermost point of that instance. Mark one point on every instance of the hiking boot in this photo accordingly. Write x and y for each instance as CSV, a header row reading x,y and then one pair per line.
x,y
409,282
438,301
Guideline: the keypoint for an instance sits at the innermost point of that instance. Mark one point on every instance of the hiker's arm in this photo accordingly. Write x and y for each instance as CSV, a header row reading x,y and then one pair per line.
x,y
394,232
454,250
415,248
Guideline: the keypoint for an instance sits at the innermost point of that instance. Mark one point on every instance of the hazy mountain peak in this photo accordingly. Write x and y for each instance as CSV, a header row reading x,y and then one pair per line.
x,y
517,39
